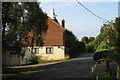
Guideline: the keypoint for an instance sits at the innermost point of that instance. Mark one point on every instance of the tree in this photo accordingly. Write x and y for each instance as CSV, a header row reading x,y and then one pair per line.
x,y
89,48
18,19
72,45
85,40
116,39
91,39
110,31
103,45
107,32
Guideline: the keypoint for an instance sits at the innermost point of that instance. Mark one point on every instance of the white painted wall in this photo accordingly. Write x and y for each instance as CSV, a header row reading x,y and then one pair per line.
x,y
58,53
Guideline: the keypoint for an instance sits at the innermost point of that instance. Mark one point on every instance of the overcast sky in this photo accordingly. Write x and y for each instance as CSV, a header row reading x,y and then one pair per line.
x,y
79,20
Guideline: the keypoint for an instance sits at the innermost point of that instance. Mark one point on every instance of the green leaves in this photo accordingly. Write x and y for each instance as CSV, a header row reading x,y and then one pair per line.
x,y
110,33
72,45
85,40
103,45
17,21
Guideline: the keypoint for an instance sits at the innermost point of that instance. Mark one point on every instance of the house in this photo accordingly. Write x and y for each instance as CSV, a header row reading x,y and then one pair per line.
x,y
52,49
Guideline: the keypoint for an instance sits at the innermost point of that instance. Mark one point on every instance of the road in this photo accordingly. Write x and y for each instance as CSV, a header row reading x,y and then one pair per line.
x,y
74,68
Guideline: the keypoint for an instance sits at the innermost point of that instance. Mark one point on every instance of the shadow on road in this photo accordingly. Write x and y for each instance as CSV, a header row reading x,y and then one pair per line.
x,y
73,68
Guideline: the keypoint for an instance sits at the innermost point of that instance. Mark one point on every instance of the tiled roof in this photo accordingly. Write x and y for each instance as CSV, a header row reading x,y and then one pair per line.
x,y
55,33
57,23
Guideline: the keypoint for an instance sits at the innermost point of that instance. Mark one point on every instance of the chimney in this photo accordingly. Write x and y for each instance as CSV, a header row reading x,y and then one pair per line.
x,y
63,23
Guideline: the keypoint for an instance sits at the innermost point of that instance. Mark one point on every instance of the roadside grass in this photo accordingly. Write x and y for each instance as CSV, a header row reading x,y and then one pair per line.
x,y
9,76
99,77
13,73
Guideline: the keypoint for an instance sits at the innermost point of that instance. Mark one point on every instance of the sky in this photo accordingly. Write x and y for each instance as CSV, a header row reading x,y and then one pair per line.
x,y
78,19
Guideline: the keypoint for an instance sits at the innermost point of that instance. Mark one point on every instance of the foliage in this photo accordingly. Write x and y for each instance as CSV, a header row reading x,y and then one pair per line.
x,y
102,54
91,39
109,38
72,45
111,32
17,21
85,39
96,42
107,32
116,39
103,45
34,59
100,76
89,48
105,60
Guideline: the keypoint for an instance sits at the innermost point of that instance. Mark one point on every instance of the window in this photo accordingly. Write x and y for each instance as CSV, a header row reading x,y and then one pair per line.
x,y
49,50
35,50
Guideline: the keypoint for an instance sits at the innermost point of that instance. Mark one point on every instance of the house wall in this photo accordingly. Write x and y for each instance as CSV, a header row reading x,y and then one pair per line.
x,y
10,59
58,53
26,58
13,59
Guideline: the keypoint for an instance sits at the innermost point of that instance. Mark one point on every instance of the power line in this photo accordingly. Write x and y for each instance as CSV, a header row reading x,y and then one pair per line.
x,y
91,11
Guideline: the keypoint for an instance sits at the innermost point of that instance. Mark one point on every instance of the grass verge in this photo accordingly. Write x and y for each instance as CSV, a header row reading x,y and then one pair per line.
x,y
13,73
99,77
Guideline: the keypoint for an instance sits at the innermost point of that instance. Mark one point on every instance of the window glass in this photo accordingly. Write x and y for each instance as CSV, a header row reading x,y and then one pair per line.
x,y
33,50
37,50
49,50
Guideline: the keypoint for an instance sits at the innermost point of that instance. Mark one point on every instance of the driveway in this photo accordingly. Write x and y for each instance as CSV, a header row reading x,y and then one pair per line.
x,y
73,68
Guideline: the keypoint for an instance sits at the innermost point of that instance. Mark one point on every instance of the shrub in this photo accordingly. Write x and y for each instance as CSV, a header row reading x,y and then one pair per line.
x,y
89,48
101,54
34,59
103,45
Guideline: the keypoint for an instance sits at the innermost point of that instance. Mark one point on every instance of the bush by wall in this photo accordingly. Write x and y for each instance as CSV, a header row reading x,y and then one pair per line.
x,y
34,59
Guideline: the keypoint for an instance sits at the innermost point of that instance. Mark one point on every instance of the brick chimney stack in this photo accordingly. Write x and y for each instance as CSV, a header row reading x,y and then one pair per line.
x,y
63,23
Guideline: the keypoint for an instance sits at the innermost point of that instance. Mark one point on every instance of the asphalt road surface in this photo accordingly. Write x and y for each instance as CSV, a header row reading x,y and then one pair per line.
x,y
74,68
